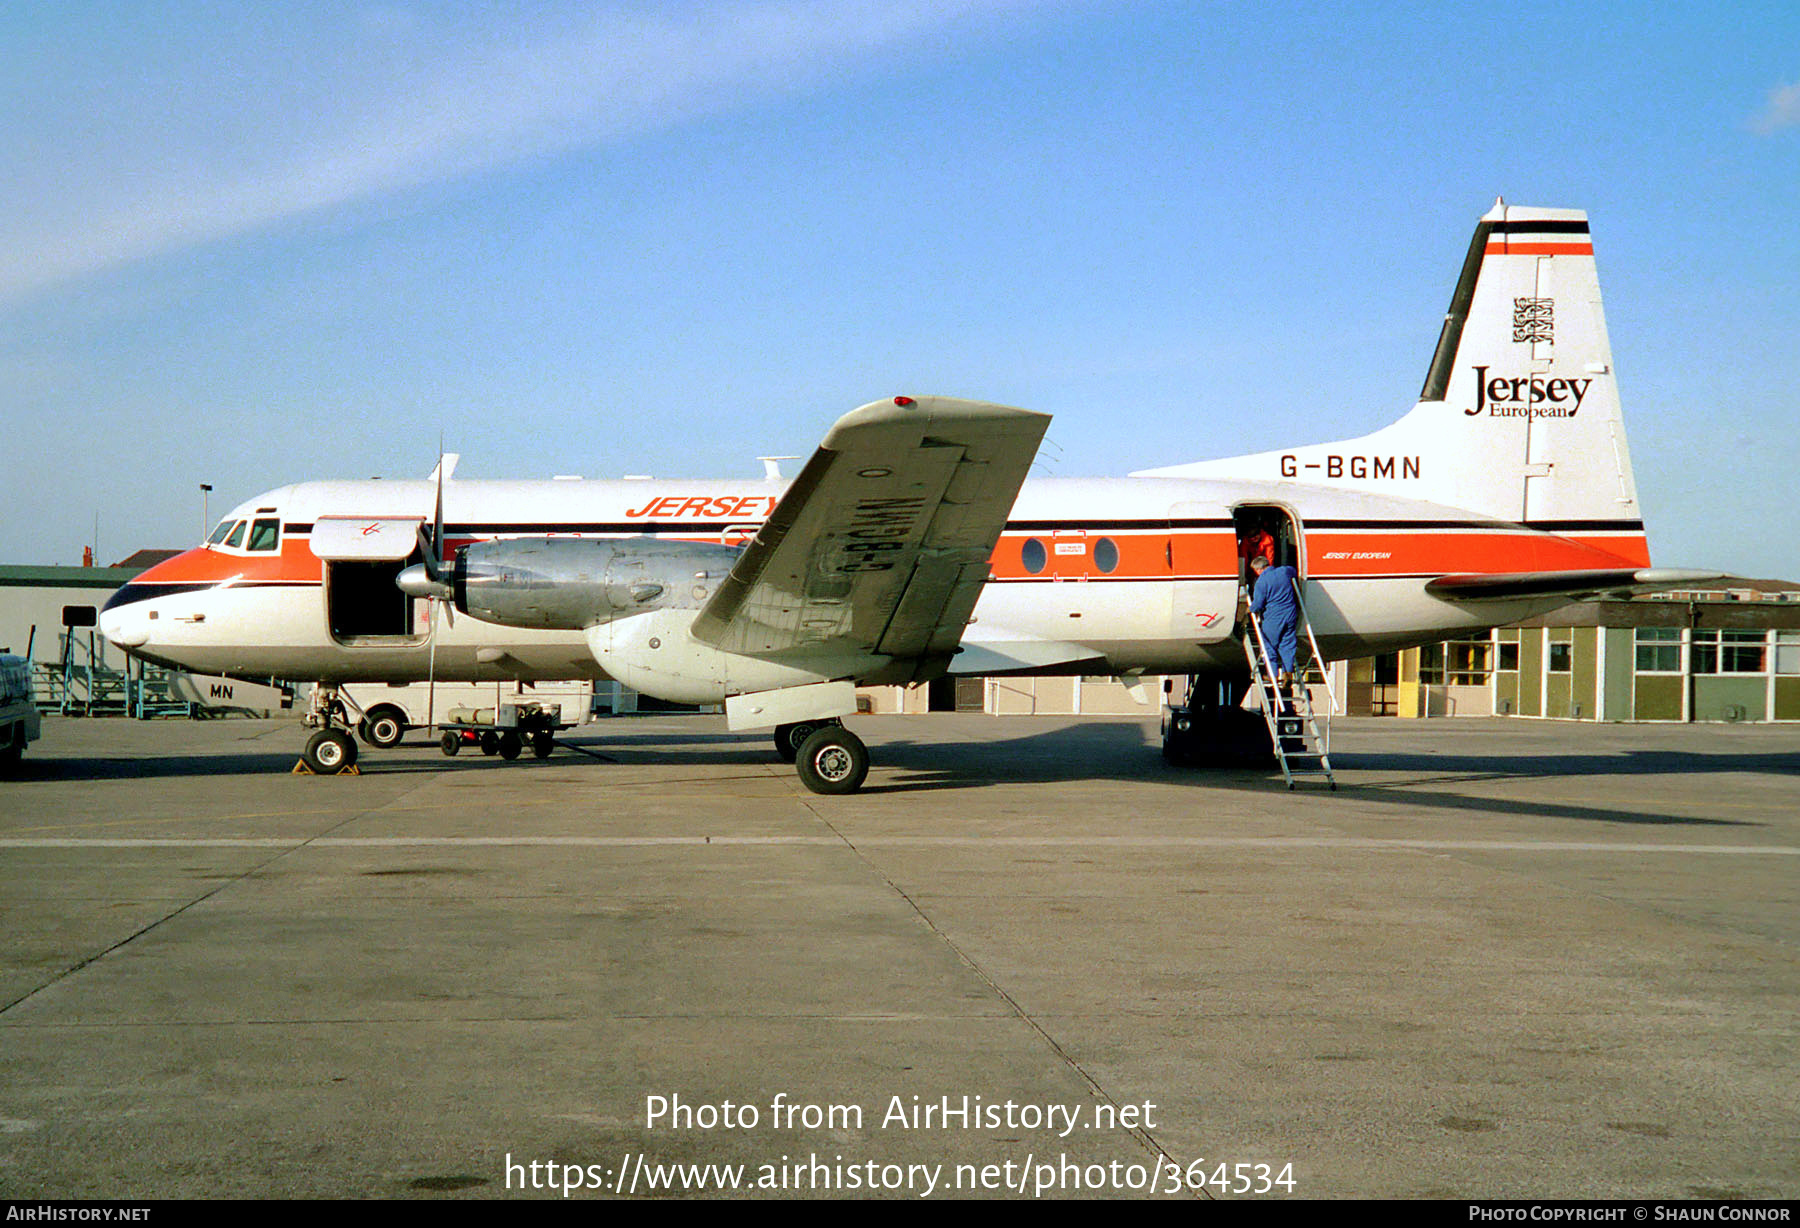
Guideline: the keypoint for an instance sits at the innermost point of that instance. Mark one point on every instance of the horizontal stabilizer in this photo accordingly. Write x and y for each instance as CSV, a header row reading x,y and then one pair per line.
x,y
1574,585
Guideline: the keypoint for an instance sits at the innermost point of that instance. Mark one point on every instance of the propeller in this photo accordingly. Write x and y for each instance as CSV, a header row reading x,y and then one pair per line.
x,y
431,578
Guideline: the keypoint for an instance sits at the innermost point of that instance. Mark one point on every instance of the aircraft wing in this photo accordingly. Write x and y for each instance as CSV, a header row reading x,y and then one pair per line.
x,y
871,564
1573,585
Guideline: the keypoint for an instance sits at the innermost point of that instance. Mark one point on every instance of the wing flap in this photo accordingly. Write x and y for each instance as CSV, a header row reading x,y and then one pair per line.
x,y
877,553
921,624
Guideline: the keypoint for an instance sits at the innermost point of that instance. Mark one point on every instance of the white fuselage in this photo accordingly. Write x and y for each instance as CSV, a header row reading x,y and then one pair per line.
x,y
1142,573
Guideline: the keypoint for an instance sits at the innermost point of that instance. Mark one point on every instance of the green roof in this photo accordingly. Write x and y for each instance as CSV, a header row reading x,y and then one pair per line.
x,y
66,577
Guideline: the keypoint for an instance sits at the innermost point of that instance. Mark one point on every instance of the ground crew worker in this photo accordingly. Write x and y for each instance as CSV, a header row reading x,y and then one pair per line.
x,y
1276,603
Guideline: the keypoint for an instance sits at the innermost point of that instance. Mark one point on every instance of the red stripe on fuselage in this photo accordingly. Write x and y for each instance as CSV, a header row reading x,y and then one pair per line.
x,y
1181,554
1197,554
1353,553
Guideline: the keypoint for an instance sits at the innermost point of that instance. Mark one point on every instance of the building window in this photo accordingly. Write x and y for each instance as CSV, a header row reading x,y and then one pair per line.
x,y
1509,658
1562,654
1743,652
1730,652
1658,650
1469,662
1431,664
1787,652
1706,652
1457,663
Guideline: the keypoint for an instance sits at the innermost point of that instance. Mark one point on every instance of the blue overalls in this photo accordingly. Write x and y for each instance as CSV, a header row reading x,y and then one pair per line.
x,y
1275,602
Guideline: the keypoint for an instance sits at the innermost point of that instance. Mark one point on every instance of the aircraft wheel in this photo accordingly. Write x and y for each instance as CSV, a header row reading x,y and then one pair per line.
x,y
510,745
383,726
450,743
329,752
542,744
790,738
490,743
833,760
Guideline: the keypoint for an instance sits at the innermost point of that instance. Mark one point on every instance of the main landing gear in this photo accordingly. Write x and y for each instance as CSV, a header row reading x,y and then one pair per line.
x,y
828,757
832,760
330,749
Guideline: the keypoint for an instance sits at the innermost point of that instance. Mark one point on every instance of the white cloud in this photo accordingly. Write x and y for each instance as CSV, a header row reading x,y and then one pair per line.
x,y
399,103
1783,110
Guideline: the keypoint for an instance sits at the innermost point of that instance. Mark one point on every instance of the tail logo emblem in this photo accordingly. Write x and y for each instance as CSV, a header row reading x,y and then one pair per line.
x,y
1534,319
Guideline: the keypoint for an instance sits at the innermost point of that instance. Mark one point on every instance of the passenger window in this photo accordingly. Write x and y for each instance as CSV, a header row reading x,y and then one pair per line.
x,y
1106,555
1033,555
237,535
264,534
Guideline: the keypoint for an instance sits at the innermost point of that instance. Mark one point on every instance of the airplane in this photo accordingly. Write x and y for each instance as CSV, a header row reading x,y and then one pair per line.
x,y
912,546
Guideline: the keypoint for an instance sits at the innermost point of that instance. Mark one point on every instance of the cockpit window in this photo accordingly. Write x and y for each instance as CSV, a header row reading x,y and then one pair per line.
x,y
263,534
218,534
237,535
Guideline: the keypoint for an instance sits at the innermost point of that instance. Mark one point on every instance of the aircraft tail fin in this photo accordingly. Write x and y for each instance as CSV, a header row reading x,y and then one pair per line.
x,y
1519,417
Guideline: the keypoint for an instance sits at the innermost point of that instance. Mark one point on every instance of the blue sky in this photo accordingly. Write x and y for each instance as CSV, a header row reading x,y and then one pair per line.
x,y
249,245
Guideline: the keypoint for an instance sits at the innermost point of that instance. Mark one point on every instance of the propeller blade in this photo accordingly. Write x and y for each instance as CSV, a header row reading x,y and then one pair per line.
x,y
431,673
437,520
431,542
428,551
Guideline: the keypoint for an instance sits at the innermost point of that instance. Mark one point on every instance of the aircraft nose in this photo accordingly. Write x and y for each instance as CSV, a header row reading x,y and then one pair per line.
x,y
125,627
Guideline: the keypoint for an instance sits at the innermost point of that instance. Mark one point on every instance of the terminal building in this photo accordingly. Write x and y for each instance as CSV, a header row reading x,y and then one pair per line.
x,y
1724,653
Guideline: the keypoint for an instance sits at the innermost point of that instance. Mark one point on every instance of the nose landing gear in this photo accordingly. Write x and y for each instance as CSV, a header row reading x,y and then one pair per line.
x,y
331,750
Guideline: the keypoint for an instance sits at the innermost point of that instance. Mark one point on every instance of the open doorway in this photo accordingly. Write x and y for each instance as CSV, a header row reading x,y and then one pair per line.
x,y
363,600
1266,530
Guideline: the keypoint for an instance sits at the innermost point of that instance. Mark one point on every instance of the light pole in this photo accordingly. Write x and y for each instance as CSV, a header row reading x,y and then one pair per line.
x,y
205,520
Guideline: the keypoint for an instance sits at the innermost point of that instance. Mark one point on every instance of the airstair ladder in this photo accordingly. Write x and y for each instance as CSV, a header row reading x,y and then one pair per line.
x,y
1302,744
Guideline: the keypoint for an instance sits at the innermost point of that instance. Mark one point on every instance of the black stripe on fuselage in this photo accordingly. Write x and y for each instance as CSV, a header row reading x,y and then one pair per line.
x,y
1535,526
651,528
133,591
612,527
1101,526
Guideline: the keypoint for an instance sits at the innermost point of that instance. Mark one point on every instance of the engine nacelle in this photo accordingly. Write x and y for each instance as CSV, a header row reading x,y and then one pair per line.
x,y
654,653
573,583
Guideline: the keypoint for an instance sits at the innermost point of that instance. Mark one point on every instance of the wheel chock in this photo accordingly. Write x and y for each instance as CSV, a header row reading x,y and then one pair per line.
x,y
300,769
